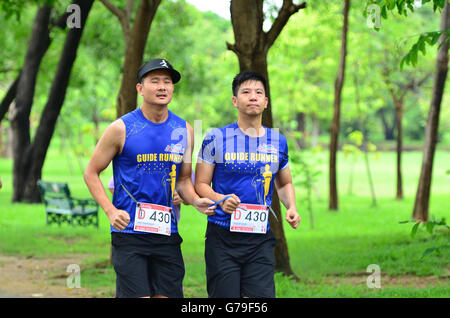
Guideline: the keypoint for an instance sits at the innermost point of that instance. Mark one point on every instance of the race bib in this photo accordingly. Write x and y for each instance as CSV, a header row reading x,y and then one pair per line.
x,y
152,218
249,218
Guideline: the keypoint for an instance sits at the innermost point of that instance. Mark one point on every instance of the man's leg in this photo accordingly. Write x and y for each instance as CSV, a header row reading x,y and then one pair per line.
x,y
222,272
166,270
257,276
131,269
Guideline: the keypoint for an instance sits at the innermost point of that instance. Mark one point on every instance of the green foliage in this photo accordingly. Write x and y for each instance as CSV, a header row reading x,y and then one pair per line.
x,y
356,138
302,69
429,38
403,7
305,172
15,7
430,227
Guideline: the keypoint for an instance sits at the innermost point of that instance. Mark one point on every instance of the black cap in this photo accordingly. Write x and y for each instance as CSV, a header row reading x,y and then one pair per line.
x,y
158,64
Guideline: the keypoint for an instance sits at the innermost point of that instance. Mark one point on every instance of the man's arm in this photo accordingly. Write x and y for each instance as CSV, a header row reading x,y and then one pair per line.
x,y
286,193
108,146
184,186
203,175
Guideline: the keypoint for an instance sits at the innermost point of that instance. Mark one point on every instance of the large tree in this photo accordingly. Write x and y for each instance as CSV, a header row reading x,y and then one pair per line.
x,y
20,115
338,85
29,156
421,204
135,35
251,46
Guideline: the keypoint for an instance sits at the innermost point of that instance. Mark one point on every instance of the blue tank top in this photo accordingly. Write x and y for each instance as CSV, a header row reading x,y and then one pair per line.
x,y
151,154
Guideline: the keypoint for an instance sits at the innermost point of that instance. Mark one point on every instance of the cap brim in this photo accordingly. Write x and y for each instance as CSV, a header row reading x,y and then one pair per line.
x,y
174,74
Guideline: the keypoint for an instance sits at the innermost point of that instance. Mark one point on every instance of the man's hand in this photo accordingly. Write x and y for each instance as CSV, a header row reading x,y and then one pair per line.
x,y
202,205
293,218
119,219
177,200
230,205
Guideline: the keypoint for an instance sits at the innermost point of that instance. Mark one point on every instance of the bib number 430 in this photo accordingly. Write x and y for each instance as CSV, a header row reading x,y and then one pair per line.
x,y
249,218
153,218
255,216
160,217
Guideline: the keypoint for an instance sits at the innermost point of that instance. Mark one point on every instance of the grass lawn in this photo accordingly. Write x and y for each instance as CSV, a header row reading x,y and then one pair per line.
x,y
340,246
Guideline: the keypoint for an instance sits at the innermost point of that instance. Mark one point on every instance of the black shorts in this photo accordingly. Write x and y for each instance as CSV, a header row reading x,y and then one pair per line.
x,y
239,264
147,265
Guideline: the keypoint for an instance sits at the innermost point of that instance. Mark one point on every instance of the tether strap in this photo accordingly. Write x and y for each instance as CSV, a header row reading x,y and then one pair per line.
x,y
273,213
139,205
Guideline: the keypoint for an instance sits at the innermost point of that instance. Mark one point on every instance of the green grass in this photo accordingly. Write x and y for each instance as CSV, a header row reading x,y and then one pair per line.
x,y
340,243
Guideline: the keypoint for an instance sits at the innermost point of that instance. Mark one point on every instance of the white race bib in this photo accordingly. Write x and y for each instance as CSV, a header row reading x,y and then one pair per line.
x,y
249,218
153,218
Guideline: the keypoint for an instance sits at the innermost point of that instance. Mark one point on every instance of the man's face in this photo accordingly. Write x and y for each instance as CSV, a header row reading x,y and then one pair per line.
x,y
156,88
251,98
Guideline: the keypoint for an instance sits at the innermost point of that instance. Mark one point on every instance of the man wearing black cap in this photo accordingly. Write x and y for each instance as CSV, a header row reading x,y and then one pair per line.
x,y
151,149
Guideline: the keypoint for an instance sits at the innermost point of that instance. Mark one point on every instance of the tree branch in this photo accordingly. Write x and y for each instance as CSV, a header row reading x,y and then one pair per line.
x,y
129,9
61,21
122,15
9,97
232,47
288,9
119,13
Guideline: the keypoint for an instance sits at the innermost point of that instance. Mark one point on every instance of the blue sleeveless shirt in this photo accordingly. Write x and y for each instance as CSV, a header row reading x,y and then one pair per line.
x,y
150,155
243,164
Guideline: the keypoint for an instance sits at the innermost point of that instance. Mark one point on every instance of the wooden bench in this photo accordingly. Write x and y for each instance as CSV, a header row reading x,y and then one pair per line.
x,y
61,207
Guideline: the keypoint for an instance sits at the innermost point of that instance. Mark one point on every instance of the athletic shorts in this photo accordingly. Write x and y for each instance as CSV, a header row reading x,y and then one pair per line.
x,y
147,265
239,264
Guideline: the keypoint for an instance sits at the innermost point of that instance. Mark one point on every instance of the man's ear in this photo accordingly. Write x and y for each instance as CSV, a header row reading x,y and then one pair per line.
x,y
234,100
139,88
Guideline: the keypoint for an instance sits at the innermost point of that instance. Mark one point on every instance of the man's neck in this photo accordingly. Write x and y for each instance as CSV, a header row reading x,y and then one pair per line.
x,y
155,113
251,125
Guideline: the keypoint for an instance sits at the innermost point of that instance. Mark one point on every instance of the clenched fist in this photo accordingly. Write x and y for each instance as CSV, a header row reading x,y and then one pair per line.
x,y
119,219
230,205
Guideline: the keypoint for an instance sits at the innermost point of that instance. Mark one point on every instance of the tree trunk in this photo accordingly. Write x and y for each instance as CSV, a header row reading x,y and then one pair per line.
x,y
19,115
38,149
388,130
301,127
399,124
9,97
315,131
251,47
135,39
421,204
339,83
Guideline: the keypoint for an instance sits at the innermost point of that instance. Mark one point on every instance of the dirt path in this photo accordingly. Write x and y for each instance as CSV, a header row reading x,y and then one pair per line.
x,y
31,277
408,280
47,278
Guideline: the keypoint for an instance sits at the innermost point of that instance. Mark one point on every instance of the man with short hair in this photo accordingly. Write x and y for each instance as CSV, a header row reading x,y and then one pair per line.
x,y
151,150
244,161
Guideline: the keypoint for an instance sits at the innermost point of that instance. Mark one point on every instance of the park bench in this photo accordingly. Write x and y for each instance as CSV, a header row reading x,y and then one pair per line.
x,y
61,207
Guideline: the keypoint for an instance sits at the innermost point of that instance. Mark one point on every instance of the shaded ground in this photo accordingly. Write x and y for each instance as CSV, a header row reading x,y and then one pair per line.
x,y
408,280
47,278
31,277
